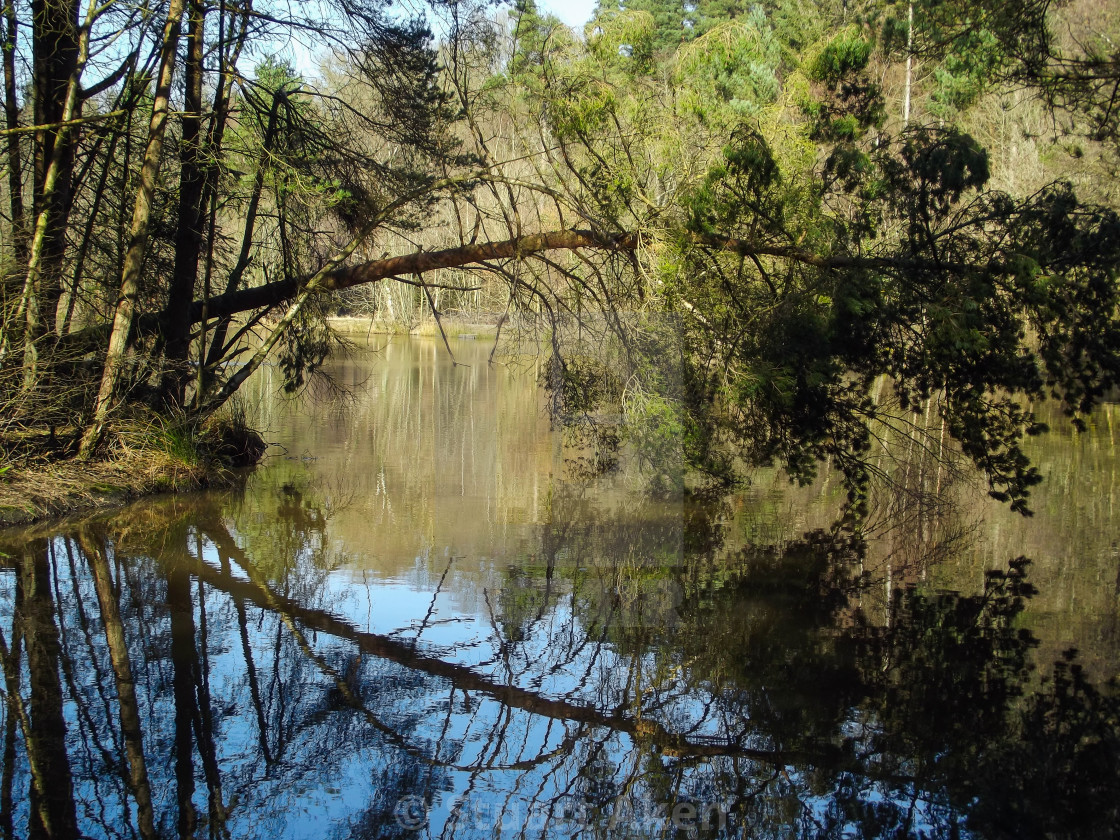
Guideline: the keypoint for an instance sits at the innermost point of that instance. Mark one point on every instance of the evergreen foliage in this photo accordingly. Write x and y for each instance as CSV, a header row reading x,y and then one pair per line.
x,y
674,20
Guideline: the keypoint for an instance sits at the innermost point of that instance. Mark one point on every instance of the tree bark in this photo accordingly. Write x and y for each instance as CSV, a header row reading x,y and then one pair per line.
x,y
138,240
53,170
11,119
420,262
56,92
335,277
280,291
188,235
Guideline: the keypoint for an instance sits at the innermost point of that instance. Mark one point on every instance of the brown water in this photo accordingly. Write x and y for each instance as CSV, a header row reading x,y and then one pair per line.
x,y
415,620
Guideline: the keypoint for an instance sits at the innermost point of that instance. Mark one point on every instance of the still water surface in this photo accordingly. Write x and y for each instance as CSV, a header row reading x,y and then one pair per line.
x,y
415,621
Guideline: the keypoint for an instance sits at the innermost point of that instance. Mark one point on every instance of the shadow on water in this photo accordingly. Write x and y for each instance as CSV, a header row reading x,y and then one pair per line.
x,y
178,671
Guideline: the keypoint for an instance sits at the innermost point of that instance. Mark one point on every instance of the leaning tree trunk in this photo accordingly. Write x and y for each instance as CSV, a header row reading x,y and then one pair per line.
x,y
138,239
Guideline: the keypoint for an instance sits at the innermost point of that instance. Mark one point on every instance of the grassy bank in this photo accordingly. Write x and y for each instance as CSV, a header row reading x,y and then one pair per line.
x,y
41,477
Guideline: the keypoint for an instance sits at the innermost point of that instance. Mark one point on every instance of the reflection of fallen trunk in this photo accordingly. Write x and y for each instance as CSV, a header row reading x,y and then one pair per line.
x,y
465,679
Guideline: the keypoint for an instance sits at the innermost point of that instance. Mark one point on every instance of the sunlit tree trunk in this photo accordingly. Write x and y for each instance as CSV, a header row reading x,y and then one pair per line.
x,y
138,239
59,58
57,98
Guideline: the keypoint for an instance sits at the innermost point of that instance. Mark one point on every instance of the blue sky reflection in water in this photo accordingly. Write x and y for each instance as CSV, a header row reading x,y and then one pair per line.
x,y
417,622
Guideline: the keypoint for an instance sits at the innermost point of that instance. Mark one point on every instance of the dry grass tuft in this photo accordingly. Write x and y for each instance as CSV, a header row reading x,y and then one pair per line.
x,y
143,457
30,494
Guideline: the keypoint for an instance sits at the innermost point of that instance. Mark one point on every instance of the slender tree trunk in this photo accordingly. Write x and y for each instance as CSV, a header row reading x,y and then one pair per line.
x,y
138,241
909,65
69,307
231,52
188,235
56,90
70,289
11,119
233,283
15,172
52,190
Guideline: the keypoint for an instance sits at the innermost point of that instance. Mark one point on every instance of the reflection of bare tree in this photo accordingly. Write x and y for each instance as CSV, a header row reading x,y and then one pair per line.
x,y
13,713
51,798
462,678
117,645
624,672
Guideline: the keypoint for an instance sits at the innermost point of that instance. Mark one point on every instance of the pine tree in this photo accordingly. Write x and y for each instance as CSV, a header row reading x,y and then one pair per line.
x,y
675,19
796,23
532,32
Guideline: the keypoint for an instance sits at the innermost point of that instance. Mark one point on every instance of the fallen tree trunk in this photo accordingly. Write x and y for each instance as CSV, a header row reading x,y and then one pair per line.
x,y
283,291
421,262
280,291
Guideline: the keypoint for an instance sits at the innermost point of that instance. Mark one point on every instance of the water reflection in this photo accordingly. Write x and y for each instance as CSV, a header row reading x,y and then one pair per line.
x,y
168,674
414,623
